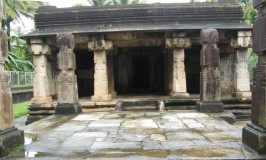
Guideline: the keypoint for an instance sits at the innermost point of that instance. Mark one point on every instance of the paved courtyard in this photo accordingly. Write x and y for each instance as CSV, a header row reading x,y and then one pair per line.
x,y
134,135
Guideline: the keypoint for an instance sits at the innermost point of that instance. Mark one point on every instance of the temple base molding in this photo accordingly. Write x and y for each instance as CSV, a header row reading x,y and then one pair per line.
x,y
210,106
9,139
101,98
67,108
179,95
42,100
246,95
255,138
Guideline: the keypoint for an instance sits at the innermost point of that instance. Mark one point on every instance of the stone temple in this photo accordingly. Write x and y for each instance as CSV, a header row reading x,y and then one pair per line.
x,y
172,50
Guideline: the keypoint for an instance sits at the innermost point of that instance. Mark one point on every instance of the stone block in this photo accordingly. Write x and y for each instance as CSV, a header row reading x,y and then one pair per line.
x,y
42,100
66,42
101,98
259,35
38,48
66,61
177,43
175,95
209,36
243,95
210,56
3,47
210,107
255,138
67,108
9,139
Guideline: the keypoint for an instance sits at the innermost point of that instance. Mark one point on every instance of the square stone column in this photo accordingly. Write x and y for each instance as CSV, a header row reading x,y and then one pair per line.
x,y
9,135
254,134
40,52
101,81
178,45
110,72
241,77
67,80
210,86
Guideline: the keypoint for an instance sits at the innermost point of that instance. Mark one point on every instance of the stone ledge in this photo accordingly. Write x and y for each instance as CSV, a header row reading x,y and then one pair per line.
x,y
179,95
255,138
246,95
101,98
210,106
67,108
42,100
9,139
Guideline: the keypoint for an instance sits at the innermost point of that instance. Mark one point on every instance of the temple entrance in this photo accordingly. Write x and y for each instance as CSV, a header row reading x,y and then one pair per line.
x,y
193,68
139,70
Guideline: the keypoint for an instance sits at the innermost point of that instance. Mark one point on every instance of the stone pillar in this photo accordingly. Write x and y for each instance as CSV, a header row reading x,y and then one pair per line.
x,y
101,89
9,135
210,87
178,45
241,76
41,84
67,91
254,134
111,82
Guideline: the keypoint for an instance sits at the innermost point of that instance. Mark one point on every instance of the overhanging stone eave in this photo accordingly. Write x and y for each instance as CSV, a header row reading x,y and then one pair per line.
x,y
116,28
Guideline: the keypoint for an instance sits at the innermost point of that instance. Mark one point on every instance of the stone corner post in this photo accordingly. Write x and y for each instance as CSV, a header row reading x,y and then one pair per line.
x,y
241,75
210,85
67,80
254,134
9,135
101,88
178,45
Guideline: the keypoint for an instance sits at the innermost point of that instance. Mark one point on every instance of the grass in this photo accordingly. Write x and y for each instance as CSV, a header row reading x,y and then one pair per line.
x,y
20,109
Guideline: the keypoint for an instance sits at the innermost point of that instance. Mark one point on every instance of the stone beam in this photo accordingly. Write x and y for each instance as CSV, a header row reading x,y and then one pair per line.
x,y
178,45
101,81
210,87
254,134
67,93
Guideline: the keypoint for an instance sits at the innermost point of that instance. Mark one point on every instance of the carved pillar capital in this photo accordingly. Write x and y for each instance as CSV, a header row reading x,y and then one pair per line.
x,y
179,42
98,43
243,40
38,47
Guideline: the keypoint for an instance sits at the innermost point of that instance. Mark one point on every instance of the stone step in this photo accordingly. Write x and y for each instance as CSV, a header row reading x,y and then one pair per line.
x,y
243,114
140,105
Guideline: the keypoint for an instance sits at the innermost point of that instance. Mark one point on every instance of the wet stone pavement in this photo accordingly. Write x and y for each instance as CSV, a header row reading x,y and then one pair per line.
x,y
134,136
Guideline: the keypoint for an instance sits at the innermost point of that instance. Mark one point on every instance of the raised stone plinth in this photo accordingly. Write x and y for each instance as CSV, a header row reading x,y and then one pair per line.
x,y
101,98
179,95
210,107
9,139
67,108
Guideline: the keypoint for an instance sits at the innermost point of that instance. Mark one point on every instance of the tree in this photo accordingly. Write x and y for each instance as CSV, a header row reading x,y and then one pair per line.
x,y
15,9
250,14
18,58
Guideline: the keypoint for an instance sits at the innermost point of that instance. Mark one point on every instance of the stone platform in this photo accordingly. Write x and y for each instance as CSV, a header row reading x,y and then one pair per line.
x,y
134,135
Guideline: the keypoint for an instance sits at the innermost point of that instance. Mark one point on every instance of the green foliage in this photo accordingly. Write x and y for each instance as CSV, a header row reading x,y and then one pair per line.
x,y
19,58
79,5
252,62
119,2
99,2
20,109
250,14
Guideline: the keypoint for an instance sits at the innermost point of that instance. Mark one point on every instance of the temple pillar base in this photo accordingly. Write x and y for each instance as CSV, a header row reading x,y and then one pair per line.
x,y
101,98
114,94
42,100
246,95
9,139
210,106
38,112
255,138
179,95
68,108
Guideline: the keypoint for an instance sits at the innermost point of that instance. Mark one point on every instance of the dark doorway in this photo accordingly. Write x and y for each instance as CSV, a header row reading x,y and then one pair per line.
x,y
141,72
193,68
85,73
